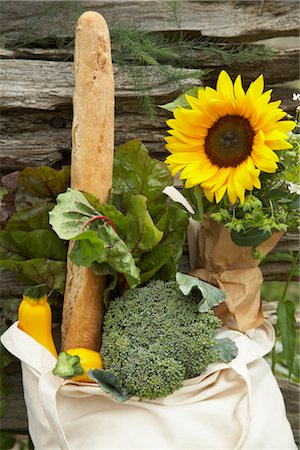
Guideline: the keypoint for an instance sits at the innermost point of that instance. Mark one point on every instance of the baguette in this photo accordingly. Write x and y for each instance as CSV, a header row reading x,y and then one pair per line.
x,y
91,170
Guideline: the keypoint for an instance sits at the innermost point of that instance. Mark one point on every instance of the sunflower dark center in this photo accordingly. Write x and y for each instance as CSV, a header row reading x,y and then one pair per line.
x,y
229,141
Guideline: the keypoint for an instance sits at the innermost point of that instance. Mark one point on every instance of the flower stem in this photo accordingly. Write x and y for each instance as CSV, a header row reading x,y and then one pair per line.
x,y
282,299
199,202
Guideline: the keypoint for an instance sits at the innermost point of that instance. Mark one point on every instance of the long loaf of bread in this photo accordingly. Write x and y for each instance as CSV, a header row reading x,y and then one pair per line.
x,y
91,170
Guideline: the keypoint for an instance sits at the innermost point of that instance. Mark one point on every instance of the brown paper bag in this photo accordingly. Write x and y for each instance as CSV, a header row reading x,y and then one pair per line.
x,y
230,267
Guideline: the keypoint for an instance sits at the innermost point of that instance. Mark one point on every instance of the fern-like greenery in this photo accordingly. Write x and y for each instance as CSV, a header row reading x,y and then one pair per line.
x,y
134,48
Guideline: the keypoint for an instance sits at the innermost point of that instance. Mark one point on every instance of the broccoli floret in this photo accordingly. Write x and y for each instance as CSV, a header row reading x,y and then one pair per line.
x,y
154,338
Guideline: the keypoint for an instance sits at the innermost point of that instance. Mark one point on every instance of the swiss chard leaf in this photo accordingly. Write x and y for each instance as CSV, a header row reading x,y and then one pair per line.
x,y
35,217
70,214
227,349
40,184
135,172
105,246
40,271
21,245
110,384
212,296
287,328
142,235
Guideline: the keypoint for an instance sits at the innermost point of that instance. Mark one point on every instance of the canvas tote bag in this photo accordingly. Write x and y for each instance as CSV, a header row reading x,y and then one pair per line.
x,y
235,405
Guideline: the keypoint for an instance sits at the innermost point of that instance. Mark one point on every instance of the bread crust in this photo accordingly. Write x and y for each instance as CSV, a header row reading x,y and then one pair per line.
x,y
91,170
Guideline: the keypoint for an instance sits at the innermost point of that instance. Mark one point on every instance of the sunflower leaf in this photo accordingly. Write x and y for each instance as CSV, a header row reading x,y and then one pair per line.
x,y
250,238
181,100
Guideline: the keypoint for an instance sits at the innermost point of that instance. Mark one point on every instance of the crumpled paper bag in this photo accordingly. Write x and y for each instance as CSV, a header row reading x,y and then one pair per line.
x,y
216,259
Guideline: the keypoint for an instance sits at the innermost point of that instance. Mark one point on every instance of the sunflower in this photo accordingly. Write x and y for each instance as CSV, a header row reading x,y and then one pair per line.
x,y
227,138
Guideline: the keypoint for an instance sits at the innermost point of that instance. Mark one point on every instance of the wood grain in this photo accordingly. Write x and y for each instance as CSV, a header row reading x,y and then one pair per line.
x,y
233,19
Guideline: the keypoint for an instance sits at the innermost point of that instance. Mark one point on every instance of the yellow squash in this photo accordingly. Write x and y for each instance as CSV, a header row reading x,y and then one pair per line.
x,y
35,317
89,359
75,363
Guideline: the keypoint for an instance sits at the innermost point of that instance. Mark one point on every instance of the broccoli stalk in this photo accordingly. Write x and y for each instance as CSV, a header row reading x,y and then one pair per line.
x,y
68,366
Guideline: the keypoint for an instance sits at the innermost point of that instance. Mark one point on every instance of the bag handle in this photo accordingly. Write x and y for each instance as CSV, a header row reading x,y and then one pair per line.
x,y
49,386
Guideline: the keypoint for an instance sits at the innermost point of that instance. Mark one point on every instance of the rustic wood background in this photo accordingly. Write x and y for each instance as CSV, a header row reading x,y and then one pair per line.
x,y
37,85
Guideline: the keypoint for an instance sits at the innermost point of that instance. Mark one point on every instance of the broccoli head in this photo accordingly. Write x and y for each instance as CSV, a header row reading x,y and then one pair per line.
x,y
154,338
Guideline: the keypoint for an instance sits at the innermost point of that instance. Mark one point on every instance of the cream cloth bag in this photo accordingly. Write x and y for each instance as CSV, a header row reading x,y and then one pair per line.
x,y
235,405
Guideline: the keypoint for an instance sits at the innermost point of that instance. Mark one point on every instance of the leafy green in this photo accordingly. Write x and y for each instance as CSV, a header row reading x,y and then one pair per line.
x,y
172,220
181,100
22,245
105,246
39,270
135,172
110,384
227,349
40,184
7,440
70,214
35,217
287,327
212,296
142,235
36,292
28,245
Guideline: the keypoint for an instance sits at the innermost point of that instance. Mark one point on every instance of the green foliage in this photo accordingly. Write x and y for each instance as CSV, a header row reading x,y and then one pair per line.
x,y
211,296
154,337
28,245
136,173
140,236
110,384
7,440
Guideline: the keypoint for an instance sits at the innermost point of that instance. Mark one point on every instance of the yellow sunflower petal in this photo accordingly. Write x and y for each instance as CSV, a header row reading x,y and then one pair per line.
x,y
238,90
231,191
263,151
209,195
204,175
284,126
279,145
275,135
266,165
184,158
256,87
195,167
240,190
225,86
256,181
220,179
220,193
185,128
193,102
243,176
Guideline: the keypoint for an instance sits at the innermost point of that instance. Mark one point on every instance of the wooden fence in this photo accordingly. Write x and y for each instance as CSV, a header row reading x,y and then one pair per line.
x,y
37,85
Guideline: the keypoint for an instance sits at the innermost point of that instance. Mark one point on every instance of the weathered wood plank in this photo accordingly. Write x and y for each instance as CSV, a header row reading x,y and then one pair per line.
x,y
42,101
243,20
282,67
49,84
